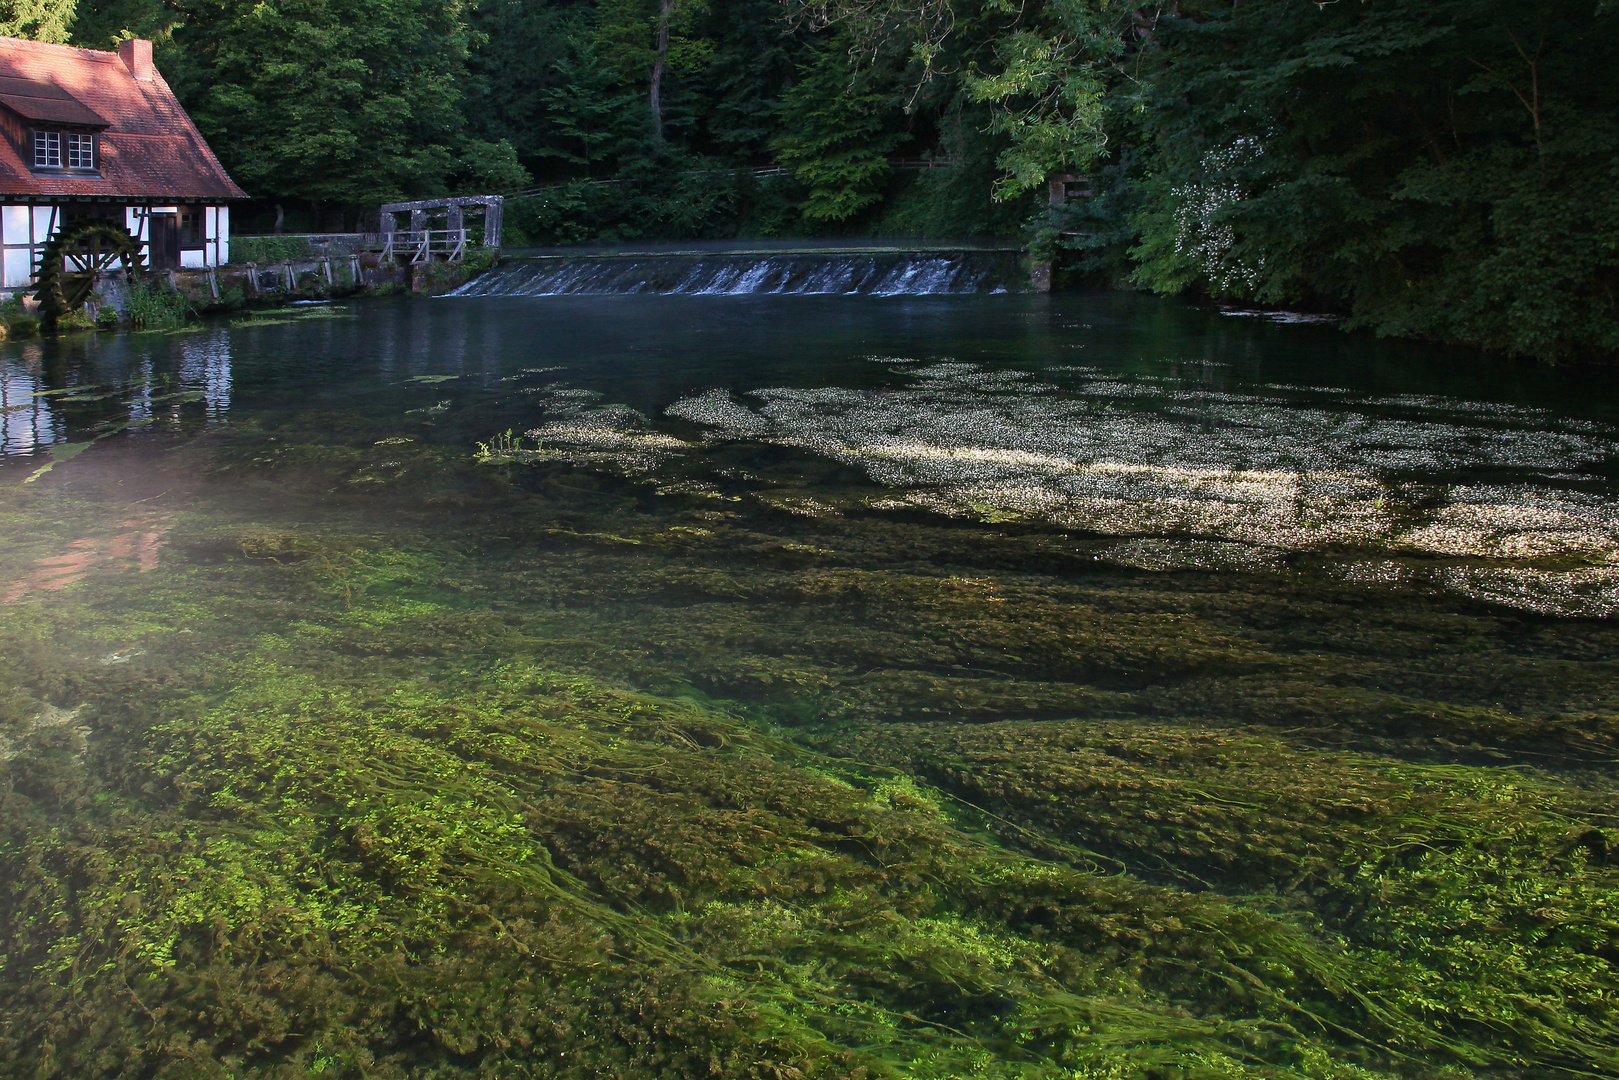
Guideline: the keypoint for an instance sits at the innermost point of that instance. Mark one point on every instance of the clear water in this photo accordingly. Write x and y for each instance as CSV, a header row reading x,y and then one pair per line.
x,y
644,685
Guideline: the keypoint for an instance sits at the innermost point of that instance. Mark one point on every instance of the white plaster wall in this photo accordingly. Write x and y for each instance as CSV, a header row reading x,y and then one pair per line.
x,y
135,222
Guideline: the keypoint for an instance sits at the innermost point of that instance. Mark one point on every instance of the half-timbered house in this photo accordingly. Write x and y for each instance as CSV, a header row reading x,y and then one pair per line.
x,y
87,134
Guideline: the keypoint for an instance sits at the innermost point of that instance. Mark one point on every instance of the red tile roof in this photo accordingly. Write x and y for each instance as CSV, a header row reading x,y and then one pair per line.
x,y
150,150
46,101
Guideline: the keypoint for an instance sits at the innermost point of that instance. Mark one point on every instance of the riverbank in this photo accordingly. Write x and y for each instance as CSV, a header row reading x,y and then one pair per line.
x,y
162,299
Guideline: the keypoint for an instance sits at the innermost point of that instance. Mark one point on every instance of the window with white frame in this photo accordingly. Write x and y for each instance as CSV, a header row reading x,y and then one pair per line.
x,y
47,149
81,151
55,149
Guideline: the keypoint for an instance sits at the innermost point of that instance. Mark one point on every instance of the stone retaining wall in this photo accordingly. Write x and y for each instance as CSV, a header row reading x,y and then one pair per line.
x,y
313,278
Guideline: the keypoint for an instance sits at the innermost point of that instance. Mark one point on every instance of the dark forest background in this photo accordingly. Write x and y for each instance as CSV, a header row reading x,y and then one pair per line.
x,y
1445,169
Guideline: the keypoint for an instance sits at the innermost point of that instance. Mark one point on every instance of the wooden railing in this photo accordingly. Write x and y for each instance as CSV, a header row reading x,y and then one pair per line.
x,y
423,245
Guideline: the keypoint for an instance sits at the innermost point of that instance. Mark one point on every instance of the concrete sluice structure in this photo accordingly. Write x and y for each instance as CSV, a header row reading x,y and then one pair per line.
x,y
874,272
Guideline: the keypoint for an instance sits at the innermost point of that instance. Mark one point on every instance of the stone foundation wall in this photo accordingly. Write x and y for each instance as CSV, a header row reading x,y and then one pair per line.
x,y
225,288
313,278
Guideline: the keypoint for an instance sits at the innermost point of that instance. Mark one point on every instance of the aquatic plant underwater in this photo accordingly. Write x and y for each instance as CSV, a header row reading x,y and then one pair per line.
x,y
679,746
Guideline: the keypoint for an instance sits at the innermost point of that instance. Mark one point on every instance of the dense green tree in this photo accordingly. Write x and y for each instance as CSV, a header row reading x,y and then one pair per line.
x,y
525,52
346,102
1444,169
745,77
592,116
647,41
836,138
1047,93
327,101
39,20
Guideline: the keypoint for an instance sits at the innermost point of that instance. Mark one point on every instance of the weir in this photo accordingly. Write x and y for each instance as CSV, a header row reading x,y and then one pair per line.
x,y
850,271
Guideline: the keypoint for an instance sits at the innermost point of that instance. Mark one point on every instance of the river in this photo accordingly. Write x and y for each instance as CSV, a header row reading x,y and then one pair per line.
x,y
966,684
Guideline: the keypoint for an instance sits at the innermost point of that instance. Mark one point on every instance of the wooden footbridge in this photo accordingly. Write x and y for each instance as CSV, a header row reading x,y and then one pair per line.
x,y
440,230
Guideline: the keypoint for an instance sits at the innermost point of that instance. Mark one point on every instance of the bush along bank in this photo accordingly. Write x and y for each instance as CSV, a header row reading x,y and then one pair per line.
x,y
1440,171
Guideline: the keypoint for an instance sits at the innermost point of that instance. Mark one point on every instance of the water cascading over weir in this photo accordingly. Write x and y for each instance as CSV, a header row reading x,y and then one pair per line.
x,y
872,272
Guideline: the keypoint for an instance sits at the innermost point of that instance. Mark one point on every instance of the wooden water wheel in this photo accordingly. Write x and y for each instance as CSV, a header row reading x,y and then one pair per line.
x,y
73,261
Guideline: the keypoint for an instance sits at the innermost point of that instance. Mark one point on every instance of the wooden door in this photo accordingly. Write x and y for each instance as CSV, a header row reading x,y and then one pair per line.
x,y
165,241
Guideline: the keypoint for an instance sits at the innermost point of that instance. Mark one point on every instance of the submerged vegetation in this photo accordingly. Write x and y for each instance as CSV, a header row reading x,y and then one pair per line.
x,y
413,868
628,755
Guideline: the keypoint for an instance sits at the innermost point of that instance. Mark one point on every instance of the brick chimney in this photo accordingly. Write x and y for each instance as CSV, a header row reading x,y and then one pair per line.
x,y
136,53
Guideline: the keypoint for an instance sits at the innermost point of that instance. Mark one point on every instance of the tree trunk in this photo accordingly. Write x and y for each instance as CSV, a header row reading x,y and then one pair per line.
x,y
655,91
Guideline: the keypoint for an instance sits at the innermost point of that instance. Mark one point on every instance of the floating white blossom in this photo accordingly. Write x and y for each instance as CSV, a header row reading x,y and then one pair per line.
x,y
1282,469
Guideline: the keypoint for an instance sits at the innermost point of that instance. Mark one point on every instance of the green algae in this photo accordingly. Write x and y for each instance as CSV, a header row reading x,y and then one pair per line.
x,y
1480,894
321,861
568,835
398,802
59,453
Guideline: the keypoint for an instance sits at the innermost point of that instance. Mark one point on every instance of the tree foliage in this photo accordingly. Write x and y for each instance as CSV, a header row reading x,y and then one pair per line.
x,y
836,140
345,101
1050,107
39,20
1443,169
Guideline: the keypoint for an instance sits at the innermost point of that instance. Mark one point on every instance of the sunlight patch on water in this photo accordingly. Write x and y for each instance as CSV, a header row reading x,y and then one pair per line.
x,y
1591,593
1519,522
1271,471
614,436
